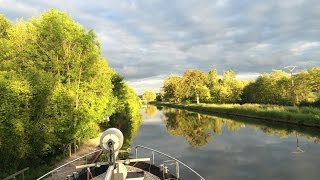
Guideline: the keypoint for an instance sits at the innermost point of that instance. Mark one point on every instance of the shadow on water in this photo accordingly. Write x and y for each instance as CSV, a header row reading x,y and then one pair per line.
x,y
198,129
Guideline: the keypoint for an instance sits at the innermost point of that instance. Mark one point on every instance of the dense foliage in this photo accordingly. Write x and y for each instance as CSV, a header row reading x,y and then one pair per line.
x,y
149,95
54,87
277,87
127,116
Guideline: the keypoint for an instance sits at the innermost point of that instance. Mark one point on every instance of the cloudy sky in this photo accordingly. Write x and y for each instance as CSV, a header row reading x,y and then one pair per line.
x,y
147,40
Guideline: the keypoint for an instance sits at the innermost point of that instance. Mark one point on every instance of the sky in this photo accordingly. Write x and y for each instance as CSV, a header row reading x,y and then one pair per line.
x,y
147,40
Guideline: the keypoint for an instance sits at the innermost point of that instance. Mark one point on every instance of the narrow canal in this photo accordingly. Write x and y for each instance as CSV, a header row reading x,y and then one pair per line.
x,y
225,148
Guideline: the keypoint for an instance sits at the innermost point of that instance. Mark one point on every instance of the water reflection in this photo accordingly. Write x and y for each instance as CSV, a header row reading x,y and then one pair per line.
x,y
199,129
128,124
194,128
298,148
150,111
233,148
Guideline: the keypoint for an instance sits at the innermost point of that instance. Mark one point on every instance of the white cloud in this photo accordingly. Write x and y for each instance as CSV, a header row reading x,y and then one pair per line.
x,y
300,47
147,40
221,3
248,76
19,9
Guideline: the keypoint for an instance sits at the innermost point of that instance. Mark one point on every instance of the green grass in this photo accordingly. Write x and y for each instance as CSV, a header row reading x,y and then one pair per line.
x,y
308,116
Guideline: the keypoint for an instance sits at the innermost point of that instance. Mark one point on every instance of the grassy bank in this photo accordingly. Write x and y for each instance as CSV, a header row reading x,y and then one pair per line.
x,y
306,116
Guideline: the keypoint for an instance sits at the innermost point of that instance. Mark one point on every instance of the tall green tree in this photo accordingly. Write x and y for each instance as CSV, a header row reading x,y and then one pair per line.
x,y
306,87
55,88
127,116
5,25
149,95
172,88
274,88
230,88
313,79
15,111
214,85
194,85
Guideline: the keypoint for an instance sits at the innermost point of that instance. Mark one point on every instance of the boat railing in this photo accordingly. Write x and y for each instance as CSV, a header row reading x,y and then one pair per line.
x,y
172,161
84,157
14,176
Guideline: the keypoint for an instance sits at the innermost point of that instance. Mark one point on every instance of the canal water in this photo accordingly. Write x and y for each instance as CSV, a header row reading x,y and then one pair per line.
x,y
225,148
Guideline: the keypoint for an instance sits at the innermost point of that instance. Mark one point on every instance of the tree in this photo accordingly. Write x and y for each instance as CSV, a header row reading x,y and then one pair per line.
x,y
149,95
306,87
230,88
70,55
15,111
303,89
194,85
127,116
5,25
214,85
55,87
271,88
313,79
172,88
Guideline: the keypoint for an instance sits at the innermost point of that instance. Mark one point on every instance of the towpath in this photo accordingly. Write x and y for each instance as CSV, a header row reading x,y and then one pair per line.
x,y
87,147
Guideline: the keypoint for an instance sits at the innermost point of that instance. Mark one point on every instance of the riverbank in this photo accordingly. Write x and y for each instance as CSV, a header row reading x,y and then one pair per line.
x,y
86,147
306,116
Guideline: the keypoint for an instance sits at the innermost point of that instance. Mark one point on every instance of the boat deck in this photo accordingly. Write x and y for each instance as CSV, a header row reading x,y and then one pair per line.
x,y
134,173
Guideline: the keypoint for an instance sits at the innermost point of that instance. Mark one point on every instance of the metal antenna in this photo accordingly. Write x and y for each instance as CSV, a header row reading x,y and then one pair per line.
x,y
291,68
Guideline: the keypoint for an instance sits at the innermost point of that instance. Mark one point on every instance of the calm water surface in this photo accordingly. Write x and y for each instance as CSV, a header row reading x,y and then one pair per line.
x,y
226,148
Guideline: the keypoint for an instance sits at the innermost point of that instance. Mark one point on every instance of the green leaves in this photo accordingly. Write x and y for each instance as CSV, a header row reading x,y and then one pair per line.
x,y
172,89
55,87
273,88
127,116
196,85
194,81
149,95
279,88
15,111
5,24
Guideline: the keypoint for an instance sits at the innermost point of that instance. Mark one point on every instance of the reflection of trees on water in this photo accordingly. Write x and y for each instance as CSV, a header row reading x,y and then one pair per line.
x,y
198,129
128,124
317,140
192,127
233,125
217,126
150,111
195,128
281,133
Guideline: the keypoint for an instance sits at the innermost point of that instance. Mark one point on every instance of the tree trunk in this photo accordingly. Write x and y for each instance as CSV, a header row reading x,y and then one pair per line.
x,y
198,101
78,88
